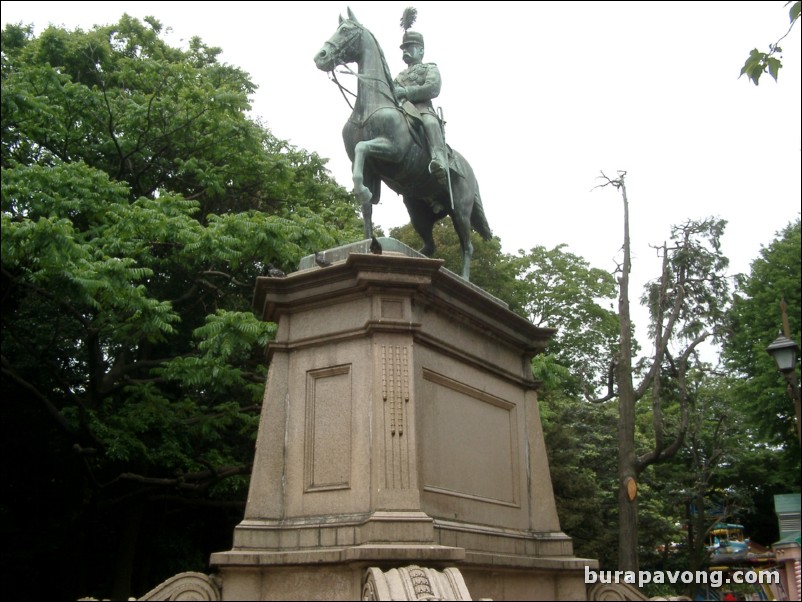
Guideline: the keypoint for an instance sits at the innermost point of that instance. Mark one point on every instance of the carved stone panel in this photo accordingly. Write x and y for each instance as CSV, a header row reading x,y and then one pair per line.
x,y
469,432
327,444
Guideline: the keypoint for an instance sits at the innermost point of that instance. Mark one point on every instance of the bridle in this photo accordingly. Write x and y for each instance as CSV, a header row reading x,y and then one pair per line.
x,y
348,48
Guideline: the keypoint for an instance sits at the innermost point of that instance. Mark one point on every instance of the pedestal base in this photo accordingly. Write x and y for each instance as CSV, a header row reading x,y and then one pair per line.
x,y
400,427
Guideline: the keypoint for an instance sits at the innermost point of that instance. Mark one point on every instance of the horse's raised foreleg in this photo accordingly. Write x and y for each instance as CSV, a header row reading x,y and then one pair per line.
x,y
363,194
367,189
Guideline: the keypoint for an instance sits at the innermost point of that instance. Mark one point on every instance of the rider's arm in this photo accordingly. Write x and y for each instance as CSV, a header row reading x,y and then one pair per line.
x,y
429,89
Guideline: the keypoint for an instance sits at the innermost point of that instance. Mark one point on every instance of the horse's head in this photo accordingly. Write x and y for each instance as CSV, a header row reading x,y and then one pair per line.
x,y
343,47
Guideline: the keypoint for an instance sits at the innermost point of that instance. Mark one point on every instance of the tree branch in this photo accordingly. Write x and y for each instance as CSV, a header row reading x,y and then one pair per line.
x,y
9,371
611,390
662,452
196,481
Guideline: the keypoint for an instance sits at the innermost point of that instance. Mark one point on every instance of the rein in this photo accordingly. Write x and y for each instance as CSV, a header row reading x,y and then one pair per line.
x,y
340,51
342,88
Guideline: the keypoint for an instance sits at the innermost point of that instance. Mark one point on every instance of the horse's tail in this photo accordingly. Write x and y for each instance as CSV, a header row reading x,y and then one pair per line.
x,y
478,219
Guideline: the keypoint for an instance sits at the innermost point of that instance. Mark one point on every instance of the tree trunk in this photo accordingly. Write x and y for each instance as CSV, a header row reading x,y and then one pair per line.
x,y
627,461
126,554
687,266
699,527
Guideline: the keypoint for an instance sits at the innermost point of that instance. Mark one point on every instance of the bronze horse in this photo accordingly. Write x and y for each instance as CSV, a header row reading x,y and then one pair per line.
x,y
385,145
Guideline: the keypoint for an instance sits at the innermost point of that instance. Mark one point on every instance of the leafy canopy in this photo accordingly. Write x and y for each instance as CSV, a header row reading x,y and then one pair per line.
x,y
139,204
754,322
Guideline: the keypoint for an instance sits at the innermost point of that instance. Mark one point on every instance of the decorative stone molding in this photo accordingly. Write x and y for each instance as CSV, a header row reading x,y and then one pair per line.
x,y
614,591
186,586
414,583
622,591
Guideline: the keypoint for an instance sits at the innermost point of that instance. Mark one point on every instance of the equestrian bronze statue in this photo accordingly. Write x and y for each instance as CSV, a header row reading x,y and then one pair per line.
x,y
386,142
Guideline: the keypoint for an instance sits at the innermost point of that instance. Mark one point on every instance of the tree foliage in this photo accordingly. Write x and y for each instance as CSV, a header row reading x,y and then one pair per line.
x,y
563,291
582,448
754,322
760,391
139,204
760,62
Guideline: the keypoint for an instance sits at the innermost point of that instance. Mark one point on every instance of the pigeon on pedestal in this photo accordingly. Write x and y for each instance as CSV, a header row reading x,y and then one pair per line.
x,y
274,272
375,246
320,260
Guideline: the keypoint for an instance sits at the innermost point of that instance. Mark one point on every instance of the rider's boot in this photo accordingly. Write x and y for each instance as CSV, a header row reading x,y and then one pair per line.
x,y
438,166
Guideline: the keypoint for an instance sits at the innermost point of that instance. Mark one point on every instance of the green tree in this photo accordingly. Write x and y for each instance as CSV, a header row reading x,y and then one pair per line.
x,y
702,484
139,204
582,446
686,304
760,62
725,472
754,322
561,290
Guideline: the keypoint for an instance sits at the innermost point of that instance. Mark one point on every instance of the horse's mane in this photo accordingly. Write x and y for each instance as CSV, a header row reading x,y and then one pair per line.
x,y
386,67
388,76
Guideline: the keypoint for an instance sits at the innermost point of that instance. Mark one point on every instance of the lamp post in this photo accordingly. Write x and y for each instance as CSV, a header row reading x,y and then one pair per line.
x,y
785,352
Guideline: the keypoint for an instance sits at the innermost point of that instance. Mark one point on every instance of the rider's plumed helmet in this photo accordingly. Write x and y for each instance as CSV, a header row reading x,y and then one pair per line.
x,y
407,20
412,37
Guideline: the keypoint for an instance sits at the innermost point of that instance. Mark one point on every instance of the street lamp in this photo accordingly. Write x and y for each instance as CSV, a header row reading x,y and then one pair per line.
x,y
785,353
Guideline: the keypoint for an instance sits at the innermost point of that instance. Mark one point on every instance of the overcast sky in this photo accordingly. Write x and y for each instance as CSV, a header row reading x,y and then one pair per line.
x,y
540,98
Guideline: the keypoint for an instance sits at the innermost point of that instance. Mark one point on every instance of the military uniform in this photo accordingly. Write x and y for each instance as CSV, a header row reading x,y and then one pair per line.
x,y
419,84
422,82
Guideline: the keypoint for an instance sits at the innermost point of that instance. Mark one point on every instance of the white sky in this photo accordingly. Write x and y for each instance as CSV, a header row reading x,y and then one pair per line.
x,y
540,97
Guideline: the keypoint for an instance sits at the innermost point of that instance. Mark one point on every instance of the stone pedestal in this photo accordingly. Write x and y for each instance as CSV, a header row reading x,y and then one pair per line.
x,y
399,427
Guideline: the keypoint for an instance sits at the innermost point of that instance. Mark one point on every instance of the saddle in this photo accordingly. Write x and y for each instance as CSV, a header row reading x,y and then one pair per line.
x,y
415,125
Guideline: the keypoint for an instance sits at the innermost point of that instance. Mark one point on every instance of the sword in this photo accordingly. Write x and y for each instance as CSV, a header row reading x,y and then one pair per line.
x,y
445,154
